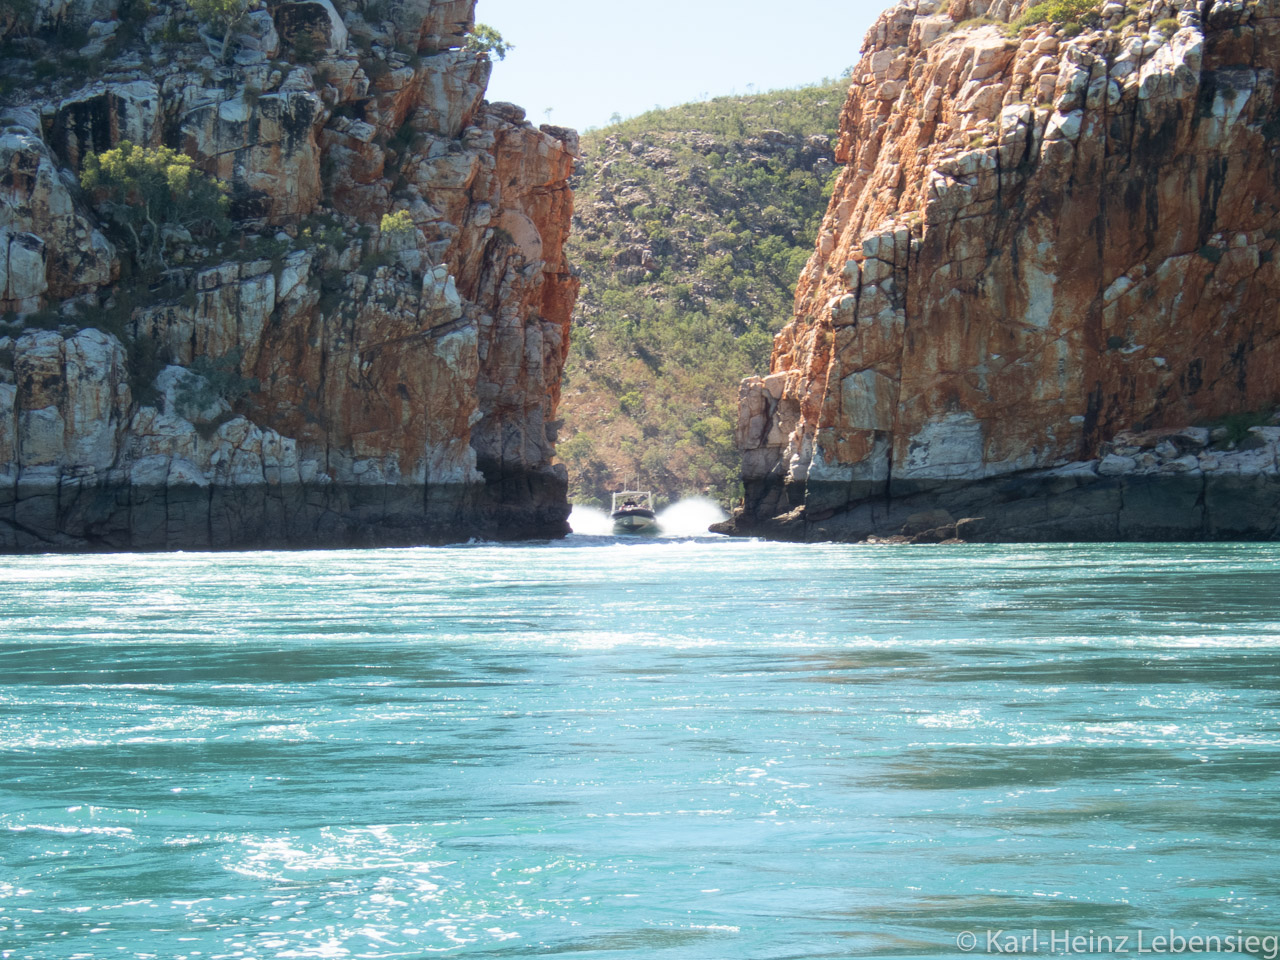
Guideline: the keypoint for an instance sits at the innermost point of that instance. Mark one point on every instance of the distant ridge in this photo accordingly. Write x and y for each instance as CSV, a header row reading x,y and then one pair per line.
x,y
692,226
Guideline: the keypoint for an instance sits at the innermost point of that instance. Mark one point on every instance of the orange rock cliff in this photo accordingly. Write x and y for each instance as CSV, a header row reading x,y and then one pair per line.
x,y
317,381
1048,266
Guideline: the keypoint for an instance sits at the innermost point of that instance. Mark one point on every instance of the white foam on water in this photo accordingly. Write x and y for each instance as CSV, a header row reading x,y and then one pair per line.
x,y
687,518
591,521
690,517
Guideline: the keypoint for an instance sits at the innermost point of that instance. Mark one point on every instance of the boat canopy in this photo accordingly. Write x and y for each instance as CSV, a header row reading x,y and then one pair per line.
x,y
632,499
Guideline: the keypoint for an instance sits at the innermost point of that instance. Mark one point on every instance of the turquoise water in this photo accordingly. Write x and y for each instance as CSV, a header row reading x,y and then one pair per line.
x,y
673,749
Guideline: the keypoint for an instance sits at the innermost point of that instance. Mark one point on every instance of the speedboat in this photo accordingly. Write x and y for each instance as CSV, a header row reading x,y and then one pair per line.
x,y
633,512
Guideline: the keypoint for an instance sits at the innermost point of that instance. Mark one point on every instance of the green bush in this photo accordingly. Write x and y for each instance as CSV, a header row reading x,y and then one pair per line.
x,y
224,16
1060,13
576,451
216,378
631,403
306,50
485,40
397,225
143,190
1237,425
375,68
174,33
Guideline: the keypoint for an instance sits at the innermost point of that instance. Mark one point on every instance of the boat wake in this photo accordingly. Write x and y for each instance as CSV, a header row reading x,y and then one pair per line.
x,y
685,518
690,517
590,521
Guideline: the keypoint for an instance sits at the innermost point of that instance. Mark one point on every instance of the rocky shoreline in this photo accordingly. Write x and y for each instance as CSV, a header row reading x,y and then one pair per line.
x,y
1163,485
46,514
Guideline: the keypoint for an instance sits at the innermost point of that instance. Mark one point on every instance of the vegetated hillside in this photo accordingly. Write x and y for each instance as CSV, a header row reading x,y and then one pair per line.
x,y
691,227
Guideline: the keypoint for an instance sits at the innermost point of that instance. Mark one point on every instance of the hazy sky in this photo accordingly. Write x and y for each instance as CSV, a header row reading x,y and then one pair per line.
x,y
586,59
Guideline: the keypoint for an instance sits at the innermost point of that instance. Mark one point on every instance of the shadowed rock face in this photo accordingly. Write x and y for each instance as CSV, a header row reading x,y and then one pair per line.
x,y
323,384
1035,244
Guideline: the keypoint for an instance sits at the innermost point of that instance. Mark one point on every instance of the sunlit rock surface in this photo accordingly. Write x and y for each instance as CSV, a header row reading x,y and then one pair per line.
x,y
319,383
1038,241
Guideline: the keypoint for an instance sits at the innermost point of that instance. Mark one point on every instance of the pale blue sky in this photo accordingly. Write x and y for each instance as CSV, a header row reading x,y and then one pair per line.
x,y
586,59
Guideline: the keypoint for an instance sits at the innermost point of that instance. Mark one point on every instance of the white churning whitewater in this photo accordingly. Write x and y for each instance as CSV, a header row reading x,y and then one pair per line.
x,y
686,518
590,521
630,748
690,517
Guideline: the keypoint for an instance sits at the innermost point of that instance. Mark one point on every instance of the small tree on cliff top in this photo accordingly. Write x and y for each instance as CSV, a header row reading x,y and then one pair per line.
x,y
484,39
143,190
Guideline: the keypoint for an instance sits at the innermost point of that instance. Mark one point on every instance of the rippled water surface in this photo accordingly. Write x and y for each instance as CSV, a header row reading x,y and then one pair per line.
x,y
675,749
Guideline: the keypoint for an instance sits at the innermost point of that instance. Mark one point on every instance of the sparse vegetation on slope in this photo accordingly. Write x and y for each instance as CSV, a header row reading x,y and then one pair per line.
x,y
692,226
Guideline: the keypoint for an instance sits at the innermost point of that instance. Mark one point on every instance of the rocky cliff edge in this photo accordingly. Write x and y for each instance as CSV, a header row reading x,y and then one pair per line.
x,y
1052,248
310,380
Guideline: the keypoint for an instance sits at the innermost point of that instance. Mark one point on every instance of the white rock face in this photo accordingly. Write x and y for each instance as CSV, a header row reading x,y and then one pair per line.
x,y
946,449
131,110
97,396
70,400
41,437
48,247
868,400
155,434
22,270
258,38
1117,466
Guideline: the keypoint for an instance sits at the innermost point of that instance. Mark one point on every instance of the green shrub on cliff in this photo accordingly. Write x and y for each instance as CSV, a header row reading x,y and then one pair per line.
x,y
397,226
215,379
485,40
1060,13
691,228
150,193
223,16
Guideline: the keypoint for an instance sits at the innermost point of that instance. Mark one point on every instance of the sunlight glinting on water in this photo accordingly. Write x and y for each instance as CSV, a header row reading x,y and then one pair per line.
x,y
634,747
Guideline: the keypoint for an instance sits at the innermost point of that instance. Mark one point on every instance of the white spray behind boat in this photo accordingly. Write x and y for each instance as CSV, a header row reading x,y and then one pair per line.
x,y
686,518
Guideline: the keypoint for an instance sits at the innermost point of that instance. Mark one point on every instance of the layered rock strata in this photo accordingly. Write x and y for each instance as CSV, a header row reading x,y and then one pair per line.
x,y
1039,241
313,381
